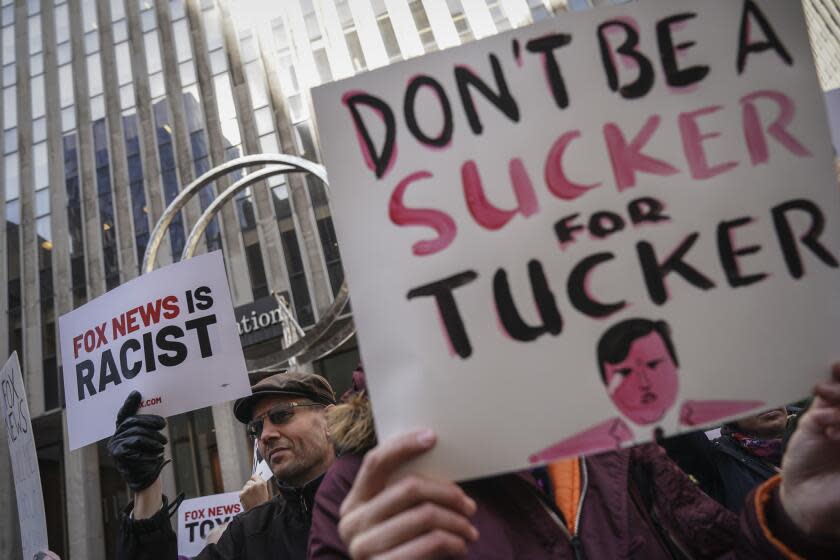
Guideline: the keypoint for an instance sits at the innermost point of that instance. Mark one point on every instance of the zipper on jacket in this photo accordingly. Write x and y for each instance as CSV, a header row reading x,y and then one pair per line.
x,y
574,540
577,545
584,474
577,548
303,507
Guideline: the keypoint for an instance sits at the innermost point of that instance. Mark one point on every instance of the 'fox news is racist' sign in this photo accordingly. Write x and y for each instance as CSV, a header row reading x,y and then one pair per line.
x,y
170,334
607,222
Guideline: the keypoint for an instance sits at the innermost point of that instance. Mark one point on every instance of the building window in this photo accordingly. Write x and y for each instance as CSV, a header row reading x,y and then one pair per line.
x,y
424,28
256,270
195,454
291,253
117,10
331,253
169,175
34,34
148,18
139,210
245,210
386,30
106,204
94,70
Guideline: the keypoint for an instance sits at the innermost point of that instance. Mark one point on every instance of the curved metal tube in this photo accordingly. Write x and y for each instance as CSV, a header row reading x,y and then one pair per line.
x,y
156,237
321,348
216,206
308,348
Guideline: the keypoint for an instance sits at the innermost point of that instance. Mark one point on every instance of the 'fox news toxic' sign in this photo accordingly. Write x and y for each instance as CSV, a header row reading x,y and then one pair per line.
x,y
200,516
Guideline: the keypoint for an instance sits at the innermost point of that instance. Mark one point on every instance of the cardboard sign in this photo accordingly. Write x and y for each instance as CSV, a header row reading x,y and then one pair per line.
x,y
170,334
30,498
199,516
563,237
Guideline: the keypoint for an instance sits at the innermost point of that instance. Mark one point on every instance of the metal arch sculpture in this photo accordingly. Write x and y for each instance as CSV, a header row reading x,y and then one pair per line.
x,y
314,344
292,162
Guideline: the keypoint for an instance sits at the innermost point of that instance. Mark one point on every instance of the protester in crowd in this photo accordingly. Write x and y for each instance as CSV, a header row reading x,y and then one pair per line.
x,y
747,453
286,414
621,504
255,492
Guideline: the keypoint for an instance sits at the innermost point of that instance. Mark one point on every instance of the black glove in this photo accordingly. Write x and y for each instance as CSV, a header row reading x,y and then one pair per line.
x,y
137,445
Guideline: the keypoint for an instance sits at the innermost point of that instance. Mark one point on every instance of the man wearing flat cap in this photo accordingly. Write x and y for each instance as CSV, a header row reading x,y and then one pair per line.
x,y
286,415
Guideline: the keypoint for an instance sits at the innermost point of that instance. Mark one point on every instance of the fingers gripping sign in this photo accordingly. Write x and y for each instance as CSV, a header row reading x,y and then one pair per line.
x,y
385,516
254,493
137,445
810,490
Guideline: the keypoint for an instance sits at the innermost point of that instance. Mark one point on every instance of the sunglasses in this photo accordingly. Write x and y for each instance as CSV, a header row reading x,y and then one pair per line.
x,y
280,414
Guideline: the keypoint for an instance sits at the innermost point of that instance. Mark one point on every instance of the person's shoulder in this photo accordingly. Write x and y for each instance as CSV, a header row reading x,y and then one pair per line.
x,y
343,471
338,481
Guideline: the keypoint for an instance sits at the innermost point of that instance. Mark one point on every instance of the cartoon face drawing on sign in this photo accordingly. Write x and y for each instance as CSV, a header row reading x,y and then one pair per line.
x,y
639,368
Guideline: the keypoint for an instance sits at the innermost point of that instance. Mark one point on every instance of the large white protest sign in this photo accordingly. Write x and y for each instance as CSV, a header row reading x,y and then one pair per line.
x,y
562,237
169,334
30,498
199,516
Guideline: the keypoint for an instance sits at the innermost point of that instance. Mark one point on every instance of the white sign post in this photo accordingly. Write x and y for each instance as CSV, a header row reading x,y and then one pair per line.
x,y
30,498
170,334
199,516
566,236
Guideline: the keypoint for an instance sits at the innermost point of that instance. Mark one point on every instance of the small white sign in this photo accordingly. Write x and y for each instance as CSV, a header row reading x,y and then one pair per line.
x,y
199,516
30,498
264,471
169,334
563,237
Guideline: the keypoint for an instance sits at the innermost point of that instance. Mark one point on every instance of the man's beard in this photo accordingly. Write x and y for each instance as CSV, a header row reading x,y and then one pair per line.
x,y
297,462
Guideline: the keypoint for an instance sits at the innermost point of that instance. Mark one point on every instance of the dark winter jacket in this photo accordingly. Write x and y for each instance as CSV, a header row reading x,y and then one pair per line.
x,y
724,470
515,521
740,472
634,503
275,530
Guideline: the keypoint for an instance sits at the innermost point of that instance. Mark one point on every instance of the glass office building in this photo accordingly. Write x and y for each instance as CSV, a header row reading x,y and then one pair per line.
x,y
108,109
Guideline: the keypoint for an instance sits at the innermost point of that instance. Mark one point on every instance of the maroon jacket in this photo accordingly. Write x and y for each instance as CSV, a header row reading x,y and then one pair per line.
x,y
636,504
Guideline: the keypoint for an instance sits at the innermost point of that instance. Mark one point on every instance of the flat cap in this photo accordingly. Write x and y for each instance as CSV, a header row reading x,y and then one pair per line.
x,y
289,383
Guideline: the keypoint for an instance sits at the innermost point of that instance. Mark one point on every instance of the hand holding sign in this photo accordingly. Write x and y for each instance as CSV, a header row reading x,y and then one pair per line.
x,y
137,445
415,517
810,490
254,493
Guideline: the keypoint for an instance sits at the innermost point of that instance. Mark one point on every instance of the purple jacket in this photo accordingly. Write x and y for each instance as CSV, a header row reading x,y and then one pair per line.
x,y
636,504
